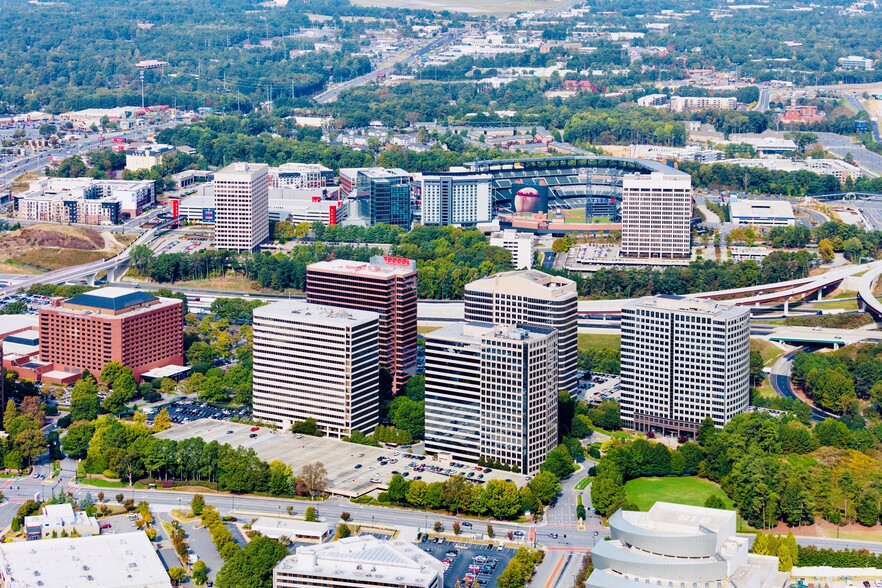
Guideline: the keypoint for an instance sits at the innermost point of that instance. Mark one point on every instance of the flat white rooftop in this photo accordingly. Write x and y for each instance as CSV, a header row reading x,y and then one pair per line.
x,y
305,312
126,560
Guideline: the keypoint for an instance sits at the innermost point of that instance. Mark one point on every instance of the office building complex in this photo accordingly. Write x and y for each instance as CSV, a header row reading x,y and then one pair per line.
x,y
359,562
767,213
386,286
294,205
456,199
674,545
520,245
129,326
301,175
656,215
241,213
318,362
124,560
683,359
383,196
491,393
84,200
531,297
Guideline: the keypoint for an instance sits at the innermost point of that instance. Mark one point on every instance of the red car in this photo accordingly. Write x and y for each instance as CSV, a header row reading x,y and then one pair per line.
x,y
106,526
255,428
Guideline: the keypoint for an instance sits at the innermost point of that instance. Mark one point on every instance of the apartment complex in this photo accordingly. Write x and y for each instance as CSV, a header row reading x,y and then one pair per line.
x,y
656,215
359,562
683,359
319,362
491,393
129,326
386,286
531,297
301,175
241,213
456,199
677,545
84,200
682,103
383,196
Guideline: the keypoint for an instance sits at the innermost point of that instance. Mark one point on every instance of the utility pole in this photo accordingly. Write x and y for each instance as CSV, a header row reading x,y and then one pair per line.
x,y
142,89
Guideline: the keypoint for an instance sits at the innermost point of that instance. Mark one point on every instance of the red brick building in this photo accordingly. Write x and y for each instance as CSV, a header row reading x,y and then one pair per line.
x,y
387,286
132,327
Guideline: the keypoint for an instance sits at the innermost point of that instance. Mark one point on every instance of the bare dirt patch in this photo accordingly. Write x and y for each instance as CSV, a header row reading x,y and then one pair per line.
x,y
51,247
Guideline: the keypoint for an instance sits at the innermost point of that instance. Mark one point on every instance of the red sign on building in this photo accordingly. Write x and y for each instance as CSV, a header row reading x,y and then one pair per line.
x,y
397,261
176,208
332,215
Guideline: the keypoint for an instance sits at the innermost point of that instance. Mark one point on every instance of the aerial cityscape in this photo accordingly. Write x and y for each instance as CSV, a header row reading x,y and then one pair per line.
x,y
441,294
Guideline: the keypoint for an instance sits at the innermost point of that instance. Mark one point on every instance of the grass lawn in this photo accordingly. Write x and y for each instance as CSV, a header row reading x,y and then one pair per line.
x,y
595,341
583,483
101,483
644,492
53,258
767,349
765,390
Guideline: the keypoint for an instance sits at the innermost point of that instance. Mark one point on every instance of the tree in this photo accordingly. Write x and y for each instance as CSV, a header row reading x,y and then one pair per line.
x,y
438,526
502,499
714,501
314,477
544,486
456,527
84,400
177,574
197,504
756,368
490,531
559,462
281,479
408,415
825,250
311,515
308,427
785,561
562,244
161,421
75,442
31,444
112,371
343,531
397,488
607,490
199,575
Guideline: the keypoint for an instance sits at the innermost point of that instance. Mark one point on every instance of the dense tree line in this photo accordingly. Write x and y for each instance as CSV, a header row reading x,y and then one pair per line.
x,y
836,380
698,276
772,468
722,176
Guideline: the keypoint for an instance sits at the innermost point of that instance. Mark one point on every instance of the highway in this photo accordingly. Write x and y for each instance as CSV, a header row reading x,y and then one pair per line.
x,y
865,291
853,101
779,378
842,145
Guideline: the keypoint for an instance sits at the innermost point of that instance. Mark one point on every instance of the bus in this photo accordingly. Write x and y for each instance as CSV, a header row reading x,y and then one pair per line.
x,y
118,140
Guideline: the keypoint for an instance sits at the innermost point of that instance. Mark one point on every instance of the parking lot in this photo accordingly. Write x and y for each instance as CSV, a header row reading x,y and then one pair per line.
x,y
599,387
353,470
185,411
465,562
182,245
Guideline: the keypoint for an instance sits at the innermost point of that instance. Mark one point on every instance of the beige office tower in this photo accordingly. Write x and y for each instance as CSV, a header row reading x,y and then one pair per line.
x,y
656,215
531,297
241,213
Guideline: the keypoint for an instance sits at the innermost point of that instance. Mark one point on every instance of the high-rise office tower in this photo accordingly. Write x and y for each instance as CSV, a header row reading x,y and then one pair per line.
x,y
384,196
683,359
491,393
320,362
531,297
456,199
387,286
241,211
656,215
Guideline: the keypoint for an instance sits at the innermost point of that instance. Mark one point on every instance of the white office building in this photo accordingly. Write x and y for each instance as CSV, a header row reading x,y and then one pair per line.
x,y
456,199
313,361
147,156
656,215
359,562
241,213
124,560
519,244
301,175
683,359
678,546
491,392
765,213
531,297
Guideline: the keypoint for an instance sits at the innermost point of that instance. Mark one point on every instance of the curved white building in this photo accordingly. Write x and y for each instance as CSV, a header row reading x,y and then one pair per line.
x,y
676,546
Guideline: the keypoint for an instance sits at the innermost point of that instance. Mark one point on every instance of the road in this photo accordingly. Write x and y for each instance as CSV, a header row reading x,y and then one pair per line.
x,y
762,104
779,378
332,93
842,145
853,101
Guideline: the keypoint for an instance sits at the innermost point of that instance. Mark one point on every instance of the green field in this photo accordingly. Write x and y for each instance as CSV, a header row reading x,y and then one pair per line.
x,y
644,492
767,349
596,341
